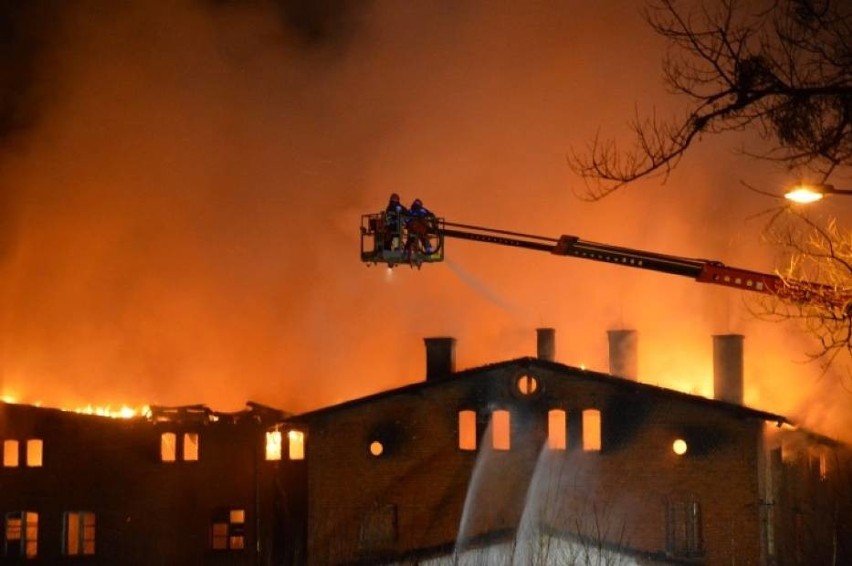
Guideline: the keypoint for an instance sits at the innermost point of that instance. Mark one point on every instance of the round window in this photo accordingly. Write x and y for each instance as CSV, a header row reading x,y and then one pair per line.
x,y
527,385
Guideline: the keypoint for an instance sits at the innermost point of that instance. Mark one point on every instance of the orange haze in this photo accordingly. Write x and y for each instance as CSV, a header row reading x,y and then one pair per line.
x,y
180,223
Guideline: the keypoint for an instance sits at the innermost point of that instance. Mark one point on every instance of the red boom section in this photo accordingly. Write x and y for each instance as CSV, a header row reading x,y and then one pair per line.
x,y
701,270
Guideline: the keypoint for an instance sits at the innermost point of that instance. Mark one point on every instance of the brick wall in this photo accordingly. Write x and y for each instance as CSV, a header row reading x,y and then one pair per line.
x,y
620,491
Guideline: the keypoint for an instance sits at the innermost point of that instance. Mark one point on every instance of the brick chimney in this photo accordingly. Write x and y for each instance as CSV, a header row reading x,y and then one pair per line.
x,y
440,357
546,343
624,353
728,368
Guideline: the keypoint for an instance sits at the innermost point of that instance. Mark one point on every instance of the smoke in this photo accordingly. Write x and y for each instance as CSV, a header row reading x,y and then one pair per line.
x,y
183,183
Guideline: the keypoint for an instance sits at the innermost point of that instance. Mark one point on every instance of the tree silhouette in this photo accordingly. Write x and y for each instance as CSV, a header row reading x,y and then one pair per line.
x,y
783,69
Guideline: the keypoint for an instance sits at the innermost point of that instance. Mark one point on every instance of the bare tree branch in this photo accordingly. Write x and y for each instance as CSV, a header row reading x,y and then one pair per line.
x,y
781,68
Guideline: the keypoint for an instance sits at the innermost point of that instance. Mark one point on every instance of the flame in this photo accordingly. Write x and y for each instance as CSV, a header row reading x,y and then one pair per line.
x,y
119,412
123,412
273,445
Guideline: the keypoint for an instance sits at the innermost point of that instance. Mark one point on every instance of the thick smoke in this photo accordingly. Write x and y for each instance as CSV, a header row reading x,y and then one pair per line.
x,y
183,183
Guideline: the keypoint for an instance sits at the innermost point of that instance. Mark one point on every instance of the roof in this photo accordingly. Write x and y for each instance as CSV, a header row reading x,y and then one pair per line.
x,y
570,372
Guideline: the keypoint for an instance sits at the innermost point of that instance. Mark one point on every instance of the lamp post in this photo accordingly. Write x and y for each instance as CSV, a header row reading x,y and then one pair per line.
x,y
805,194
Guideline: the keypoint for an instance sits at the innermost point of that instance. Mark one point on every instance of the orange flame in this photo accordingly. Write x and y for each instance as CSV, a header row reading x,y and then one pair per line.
x,y
123,412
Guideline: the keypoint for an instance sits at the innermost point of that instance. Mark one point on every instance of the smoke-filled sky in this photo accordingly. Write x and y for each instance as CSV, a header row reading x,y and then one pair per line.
x,y
181,185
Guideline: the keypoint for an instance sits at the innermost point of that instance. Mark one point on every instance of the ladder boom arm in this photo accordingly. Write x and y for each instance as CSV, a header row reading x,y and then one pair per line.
x,y
701,270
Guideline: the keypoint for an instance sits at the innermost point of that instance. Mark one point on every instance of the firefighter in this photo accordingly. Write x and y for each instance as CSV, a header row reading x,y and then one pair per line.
x,y
395,213
419,222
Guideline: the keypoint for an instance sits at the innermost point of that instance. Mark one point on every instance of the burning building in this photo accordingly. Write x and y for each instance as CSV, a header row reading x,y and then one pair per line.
x,y
177,486
525,459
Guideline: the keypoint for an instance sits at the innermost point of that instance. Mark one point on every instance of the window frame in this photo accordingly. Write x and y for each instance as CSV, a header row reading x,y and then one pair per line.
x,y
231,522
85,537
684,527
26,542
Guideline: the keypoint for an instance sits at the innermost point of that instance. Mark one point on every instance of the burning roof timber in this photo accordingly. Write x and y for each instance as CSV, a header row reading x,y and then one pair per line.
x,y
184,414
203,414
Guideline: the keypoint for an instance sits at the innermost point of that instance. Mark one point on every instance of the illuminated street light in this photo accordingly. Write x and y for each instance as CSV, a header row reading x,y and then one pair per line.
x,y
805,194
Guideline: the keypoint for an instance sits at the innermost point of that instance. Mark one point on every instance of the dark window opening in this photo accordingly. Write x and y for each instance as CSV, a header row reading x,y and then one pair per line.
x,y
683,528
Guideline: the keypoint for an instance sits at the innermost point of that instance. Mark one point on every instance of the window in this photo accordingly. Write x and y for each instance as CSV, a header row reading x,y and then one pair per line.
x,y
296,441
818,465
467,430
273,445
190,446
227,531
501,430
10,453
591,430
78,533
34,452
21,534
683,527
557,430
376,448
527,385
168,447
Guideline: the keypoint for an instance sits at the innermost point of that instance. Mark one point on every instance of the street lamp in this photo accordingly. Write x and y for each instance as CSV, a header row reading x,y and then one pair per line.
x,y
805,194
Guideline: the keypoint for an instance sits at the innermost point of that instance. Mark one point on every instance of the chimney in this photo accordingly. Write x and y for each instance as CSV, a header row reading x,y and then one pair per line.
x,y
546,343
728,368
623,353
440,357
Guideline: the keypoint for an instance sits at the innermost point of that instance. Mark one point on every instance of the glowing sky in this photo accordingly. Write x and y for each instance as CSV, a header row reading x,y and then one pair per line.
x,y
182,184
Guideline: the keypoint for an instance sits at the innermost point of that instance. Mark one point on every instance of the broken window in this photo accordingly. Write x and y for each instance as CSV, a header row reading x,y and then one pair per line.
x,y
557,429
683,527
273,445
168,447
296,441
467,430
34,452
591,430
21,534
190,446
79,533
227,530
10,453
501,430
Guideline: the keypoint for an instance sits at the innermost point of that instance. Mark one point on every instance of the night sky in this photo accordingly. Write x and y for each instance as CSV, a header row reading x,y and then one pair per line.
x,y
181,185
